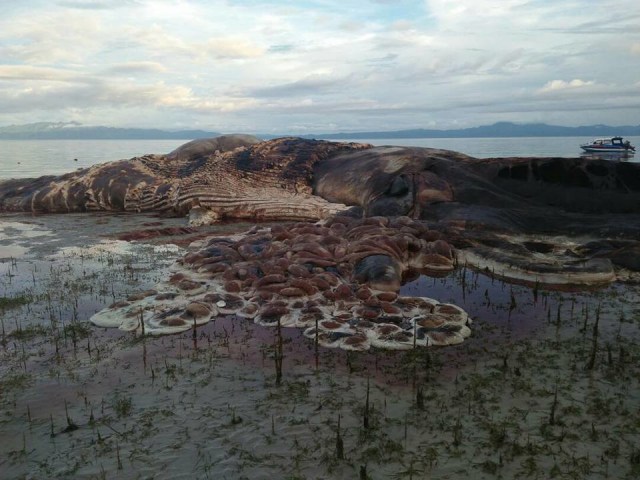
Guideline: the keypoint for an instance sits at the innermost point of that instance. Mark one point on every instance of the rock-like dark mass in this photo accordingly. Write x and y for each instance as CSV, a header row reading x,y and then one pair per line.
x,y
549,220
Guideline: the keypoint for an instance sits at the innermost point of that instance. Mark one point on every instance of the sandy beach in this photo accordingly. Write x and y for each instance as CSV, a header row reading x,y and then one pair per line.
x,y
547,386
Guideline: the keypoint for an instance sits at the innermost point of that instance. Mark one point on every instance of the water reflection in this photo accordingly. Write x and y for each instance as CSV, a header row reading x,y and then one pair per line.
x,y
611,156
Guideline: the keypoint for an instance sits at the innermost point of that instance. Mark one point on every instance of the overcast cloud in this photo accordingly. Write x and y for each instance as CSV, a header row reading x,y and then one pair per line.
x,y
319,65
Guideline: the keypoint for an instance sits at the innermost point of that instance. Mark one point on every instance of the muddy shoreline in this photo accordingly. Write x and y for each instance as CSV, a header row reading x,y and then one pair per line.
x,y
537,391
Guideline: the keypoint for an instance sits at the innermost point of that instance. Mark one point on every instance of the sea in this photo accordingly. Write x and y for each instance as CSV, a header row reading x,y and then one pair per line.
x,y
34,158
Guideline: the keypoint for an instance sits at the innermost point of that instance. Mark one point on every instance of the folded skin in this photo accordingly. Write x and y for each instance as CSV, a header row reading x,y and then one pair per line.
x,y
480,206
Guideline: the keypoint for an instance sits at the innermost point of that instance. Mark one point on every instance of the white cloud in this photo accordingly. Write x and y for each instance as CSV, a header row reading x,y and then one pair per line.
x,y
141,67
230,48
160,43
264,65
96,4
50,37
27,72
556,85
465,11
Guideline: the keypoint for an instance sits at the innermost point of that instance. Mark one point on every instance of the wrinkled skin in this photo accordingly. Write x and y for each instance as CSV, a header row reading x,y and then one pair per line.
x,y
481,205
418,182
230,177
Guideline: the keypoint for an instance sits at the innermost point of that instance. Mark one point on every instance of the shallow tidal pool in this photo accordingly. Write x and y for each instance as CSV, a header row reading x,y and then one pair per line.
x,y
547,386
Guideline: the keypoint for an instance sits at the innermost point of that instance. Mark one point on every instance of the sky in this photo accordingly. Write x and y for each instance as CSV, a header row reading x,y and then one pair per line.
x,y
319,66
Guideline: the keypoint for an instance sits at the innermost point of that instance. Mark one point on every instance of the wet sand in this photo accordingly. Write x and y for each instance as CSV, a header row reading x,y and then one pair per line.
x,y
546,387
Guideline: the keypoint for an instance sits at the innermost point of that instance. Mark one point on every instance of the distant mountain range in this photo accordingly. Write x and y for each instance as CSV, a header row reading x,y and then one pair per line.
x,y
501,129
73,130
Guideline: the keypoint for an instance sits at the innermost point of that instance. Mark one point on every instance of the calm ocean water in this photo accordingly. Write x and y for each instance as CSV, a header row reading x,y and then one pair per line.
x,y
33,158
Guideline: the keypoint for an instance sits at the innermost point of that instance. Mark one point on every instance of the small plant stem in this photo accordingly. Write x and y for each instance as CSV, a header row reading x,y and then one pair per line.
x,y
339,443
365,420
594,344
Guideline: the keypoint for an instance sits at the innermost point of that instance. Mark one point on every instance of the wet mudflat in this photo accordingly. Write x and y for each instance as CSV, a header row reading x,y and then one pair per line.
x,y
547,386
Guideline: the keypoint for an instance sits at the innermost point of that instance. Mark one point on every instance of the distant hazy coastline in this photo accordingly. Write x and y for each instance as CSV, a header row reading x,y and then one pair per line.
x,y
75,131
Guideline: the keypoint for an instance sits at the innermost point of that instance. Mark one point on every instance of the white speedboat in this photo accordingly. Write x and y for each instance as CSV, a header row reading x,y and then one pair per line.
x,y
609,145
